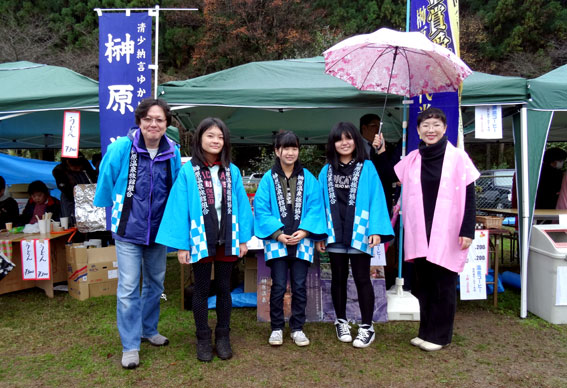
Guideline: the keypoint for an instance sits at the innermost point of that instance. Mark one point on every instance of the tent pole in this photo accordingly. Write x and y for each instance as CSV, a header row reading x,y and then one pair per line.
x,y
524,213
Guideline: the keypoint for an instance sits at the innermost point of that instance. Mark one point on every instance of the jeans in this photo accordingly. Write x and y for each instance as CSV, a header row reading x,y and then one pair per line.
x,y
298,276
137,316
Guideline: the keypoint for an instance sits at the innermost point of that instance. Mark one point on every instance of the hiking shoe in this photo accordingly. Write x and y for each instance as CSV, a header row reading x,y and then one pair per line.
x,y
300,338
156,340
416,341
343,330
276,338
364,337
130,359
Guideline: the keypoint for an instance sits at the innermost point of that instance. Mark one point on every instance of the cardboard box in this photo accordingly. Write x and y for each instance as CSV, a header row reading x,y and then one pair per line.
x,y
91,271
250,274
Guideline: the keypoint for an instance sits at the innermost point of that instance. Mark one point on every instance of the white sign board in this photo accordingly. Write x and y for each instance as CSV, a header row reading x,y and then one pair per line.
x,y
71,134
378,255
35,260
473,278
488,122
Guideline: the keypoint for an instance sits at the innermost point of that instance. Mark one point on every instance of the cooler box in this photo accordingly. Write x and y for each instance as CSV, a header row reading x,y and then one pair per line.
x,y
547,273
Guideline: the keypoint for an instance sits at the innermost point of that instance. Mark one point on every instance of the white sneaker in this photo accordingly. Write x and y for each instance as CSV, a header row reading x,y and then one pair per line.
x,y
276,338
343,330
430,346
416,341
300,338
364,337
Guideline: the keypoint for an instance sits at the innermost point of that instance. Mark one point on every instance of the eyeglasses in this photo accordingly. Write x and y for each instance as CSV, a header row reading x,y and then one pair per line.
x,y
149,120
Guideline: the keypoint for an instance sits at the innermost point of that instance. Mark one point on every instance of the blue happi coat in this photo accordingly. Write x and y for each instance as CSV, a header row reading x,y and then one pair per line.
x,y
370,211
267,218
183,224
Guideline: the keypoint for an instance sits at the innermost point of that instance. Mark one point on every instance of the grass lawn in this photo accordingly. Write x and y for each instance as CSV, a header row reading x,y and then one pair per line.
x,y
62,342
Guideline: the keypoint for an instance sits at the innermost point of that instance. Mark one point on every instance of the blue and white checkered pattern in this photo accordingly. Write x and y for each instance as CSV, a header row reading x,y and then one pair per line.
x,y
274,249
306,249
330,230
360,231
116,212
198,240
235,250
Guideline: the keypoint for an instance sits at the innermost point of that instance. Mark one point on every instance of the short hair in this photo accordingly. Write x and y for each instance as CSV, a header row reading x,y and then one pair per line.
x,y
146,104
554,154
286,139
367,118
37,187
350,131
203,126
432,113
2,183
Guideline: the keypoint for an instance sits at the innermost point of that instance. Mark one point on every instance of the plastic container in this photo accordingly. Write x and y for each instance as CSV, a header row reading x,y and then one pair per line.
x,y
547,273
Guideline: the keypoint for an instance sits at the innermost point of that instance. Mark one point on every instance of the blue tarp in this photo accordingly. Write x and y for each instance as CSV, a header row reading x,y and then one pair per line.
x,y
239,298
22,170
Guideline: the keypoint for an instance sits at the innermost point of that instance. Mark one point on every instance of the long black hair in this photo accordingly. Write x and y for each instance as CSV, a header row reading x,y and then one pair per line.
x,y
351,132
203,126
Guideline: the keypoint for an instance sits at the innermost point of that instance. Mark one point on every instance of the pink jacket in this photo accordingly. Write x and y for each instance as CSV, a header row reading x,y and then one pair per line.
x,y
457,173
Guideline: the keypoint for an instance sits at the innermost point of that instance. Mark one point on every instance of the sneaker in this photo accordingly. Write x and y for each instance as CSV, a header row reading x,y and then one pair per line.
x,y
416,341
364,337
130,359
430,346
300,338
156,340
343,330
276,338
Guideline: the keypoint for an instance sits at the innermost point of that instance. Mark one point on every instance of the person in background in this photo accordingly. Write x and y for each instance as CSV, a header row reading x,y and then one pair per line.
x,y
136,175
357,221
9,211
439,221
69,173
550,178
209,220
289,216
40,202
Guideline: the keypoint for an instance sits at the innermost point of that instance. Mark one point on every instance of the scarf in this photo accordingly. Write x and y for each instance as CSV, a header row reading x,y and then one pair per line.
x,y
343,228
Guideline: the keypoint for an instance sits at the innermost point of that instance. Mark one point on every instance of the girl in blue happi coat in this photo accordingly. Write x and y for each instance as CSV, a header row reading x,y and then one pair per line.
x,y
208,219
357,221
289,217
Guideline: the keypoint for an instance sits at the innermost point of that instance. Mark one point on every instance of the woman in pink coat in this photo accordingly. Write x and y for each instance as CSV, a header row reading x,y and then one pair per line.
x,y
439,220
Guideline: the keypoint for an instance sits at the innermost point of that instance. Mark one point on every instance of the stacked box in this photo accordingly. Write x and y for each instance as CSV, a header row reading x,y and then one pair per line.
x,y
91,272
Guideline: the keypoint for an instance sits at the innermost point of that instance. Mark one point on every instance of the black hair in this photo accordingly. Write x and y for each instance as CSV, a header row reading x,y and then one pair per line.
x,y
38,187
554,154
203,126
432,113
146,104
286,139
2,183
350,131
367,118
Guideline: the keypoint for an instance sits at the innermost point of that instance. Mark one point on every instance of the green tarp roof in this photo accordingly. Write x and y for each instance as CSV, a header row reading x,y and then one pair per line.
x,y
549,91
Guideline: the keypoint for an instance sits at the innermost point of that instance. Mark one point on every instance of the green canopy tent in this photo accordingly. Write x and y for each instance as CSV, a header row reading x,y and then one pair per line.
x,y
33,98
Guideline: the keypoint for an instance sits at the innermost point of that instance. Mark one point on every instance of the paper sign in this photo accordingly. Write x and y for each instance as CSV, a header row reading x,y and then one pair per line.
x,y
35,260
378,255
71,134
473,278
488,122
561,295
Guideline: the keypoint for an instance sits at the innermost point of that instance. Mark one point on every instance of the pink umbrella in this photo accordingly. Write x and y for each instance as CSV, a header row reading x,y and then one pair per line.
x,y
403,63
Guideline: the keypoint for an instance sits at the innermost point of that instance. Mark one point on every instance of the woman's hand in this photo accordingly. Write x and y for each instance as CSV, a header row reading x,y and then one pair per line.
x,y
373,240
284,238
465,242
320,245
296,237
183,256
243,249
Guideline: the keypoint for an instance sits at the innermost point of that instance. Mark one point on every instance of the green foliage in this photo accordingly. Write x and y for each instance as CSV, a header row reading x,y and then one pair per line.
x,y
312,157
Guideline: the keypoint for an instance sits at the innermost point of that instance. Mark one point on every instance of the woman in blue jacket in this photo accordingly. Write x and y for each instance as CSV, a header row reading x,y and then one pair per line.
x,y
135,177
208,219
357,221
289,217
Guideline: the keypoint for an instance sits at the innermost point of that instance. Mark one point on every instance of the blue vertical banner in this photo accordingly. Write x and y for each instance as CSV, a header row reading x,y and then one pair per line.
x,y
439,21
125,79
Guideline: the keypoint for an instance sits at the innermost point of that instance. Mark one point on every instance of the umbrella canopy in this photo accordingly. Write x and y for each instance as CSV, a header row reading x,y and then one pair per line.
x,y
403,63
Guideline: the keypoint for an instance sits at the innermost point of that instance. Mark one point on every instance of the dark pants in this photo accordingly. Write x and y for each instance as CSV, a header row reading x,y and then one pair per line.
x,y
202,272
360,264
436,289
298,275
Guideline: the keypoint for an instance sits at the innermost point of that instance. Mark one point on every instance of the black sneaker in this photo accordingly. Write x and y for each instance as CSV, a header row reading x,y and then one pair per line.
x,y
343,330
364,337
